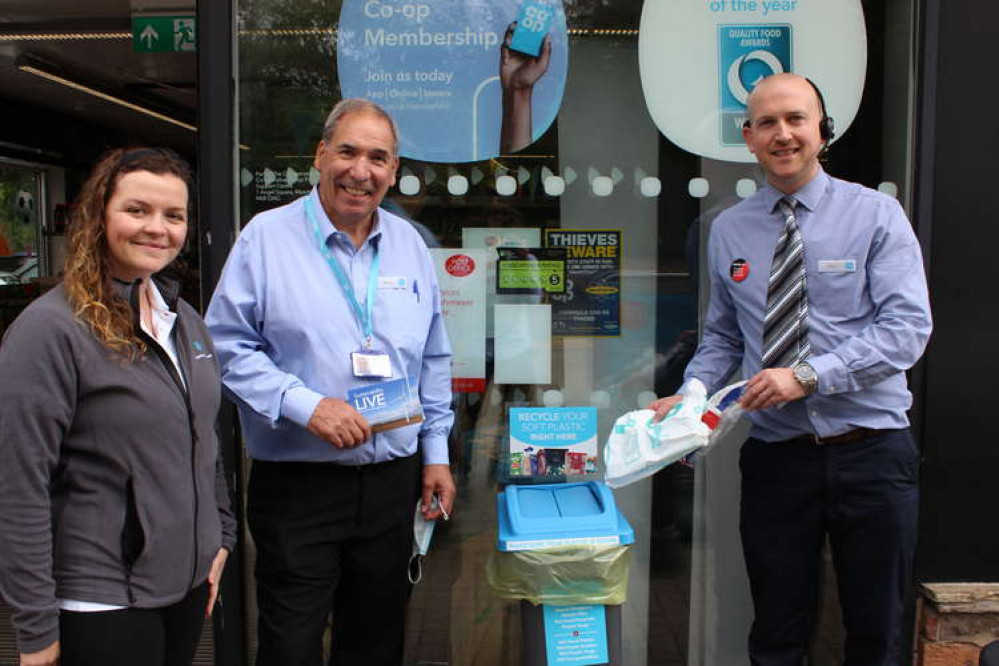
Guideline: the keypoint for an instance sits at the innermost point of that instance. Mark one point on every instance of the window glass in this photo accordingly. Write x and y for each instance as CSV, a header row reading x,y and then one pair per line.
x,y
22,258
599,183
19,215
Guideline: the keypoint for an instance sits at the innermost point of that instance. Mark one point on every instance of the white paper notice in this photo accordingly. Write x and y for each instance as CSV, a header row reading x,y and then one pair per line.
x,y
523,344
461,275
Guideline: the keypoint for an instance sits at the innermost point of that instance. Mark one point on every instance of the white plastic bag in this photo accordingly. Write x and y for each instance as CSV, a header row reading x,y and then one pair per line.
x,y
638,448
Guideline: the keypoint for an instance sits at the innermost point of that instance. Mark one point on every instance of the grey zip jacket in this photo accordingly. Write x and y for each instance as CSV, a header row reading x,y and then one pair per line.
x,y
111,485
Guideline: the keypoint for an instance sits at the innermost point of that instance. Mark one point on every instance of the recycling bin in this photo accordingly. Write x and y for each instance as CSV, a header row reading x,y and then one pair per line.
x,y
562,551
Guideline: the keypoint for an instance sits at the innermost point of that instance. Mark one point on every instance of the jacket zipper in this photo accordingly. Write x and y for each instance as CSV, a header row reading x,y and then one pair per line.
x,y
172,371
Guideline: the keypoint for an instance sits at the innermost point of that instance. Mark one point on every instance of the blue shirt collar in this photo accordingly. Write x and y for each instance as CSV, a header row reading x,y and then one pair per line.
x,y
327,228
808,195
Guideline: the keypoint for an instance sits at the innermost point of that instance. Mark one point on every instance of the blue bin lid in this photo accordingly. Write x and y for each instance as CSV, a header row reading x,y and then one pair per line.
x,y
560,514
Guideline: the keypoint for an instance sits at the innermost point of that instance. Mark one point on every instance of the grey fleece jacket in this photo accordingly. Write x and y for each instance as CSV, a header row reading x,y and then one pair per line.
x,y
111,484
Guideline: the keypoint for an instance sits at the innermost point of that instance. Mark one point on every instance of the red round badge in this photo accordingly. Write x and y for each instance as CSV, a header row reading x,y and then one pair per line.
x,y
739,270
459,265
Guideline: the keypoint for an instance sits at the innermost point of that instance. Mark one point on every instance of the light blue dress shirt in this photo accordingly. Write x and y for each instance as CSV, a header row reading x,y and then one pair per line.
x,y
284,333
869,313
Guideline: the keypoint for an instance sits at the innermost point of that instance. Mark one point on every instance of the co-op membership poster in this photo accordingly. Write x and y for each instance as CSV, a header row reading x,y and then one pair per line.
x,y
455,75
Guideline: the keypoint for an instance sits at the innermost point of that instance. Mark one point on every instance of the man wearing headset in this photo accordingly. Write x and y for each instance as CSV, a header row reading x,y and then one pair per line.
x,y
818,291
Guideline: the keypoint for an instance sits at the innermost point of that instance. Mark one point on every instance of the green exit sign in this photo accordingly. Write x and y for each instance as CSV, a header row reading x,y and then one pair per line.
x,y
161,34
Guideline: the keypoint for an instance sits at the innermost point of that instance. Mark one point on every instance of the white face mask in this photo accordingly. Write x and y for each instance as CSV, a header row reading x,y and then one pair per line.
x,y
423,532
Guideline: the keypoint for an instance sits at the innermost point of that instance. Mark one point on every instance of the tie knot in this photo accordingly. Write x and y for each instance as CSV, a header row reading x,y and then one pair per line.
x,y
787,205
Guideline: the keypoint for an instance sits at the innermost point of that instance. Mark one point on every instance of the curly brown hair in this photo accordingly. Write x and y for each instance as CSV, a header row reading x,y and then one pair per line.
x,y
88,279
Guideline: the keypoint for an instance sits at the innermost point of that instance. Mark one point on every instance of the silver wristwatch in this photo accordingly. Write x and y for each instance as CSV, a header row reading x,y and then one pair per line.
x,y
805,374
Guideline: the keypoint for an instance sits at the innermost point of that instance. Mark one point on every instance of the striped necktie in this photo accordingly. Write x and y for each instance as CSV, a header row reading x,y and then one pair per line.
x,y
785,327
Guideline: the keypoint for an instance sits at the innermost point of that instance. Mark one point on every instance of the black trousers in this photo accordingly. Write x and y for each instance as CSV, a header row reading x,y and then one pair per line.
x,y
864,497
165,636
990,655
332,539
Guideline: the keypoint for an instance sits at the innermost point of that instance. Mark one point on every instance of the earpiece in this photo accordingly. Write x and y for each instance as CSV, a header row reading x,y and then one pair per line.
x,y
827,128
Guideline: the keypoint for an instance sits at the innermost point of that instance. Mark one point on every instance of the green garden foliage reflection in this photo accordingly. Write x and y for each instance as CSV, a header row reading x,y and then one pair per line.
x,y
18,211
287,70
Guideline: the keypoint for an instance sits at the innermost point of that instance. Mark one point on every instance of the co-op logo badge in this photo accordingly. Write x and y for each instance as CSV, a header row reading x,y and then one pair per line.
x,y
746,54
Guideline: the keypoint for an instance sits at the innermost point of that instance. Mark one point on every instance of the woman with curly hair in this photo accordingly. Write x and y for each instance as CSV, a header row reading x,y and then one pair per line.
x,y
114,512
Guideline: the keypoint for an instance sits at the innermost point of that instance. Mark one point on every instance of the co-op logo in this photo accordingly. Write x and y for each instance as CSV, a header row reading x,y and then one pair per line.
x,y
747,54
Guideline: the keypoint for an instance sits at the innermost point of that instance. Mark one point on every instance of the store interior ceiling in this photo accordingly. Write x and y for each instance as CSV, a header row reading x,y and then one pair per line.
x,y
76,58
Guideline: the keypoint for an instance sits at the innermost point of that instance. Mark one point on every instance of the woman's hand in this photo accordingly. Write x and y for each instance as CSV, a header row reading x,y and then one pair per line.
x,y
520,71
518,74
47,657
214,578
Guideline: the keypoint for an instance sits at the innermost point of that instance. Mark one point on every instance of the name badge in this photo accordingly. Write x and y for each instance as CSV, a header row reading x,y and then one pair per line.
x,y
393,283
837,266
371,364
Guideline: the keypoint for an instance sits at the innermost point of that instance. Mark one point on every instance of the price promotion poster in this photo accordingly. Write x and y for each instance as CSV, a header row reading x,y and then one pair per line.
x,y
590,305
461,275
552,441
440,69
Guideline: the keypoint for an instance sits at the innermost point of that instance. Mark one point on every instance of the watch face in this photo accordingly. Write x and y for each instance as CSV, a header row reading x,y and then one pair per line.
x,y
805,373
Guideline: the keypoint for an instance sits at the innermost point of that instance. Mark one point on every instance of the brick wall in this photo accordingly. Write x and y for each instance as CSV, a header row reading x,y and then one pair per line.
x,y
955,621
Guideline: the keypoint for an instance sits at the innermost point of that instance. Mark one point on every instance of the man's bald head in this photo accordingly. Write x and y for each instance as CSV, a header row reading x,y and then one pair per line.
x,y
782,80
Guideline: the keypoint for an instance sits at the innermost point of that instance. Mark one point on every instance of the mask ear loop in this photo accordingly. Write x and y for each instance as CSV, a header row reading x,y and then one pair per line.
x,y
415,571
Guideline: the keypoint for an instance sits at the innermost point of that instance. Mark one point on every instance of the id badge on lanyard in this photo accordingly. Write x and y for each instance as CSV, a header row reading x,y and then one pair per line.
x,y
371,364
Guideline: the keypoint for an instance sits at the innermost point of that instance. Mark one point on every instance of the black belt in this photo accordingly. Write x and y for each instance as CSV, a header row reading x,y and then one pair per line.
x,y
848,437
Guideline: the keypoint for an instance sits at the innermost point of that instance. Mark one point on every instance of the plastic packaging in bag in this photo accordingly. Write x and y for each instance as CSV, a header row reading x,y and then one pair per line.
x,y
563,576
722,414
638,448
723,409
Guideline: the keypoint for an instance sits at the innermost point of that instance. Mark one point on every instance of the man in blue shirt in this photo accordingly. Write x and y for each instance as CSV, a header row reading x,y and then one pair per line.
x,y
829,453
319,296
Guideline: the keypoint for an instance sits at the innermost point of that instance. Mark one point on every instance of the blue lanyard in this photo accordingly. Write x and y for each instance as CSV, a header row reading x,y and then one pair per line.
x,y
364,316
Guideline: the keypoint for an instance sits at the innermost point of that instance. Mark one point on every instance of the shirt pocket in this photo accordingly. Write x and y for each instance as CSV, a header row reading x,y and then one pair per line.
x,y
402,317
838,295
